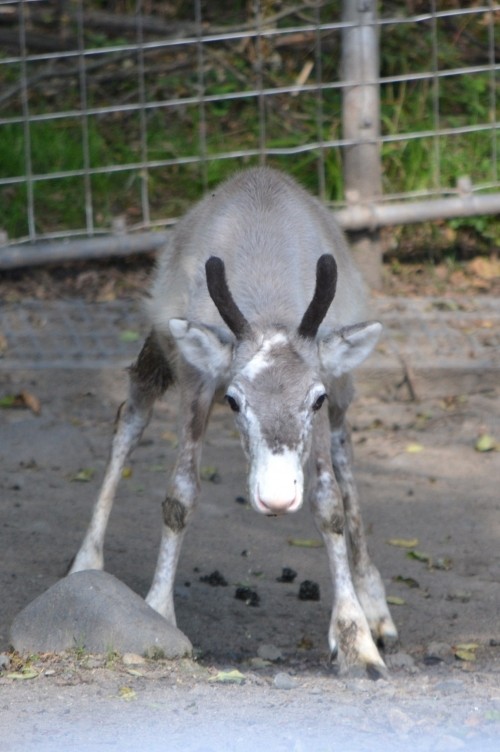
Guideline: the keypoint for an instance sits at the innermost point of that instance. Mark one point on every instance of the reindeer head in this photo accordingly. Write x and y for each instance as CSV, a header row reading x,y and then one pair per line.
x,y
278,380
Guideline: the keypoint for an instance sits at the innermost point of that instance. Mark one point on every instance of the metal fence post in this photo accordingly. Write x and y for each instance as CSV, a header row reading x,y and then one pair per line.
x,y
361,125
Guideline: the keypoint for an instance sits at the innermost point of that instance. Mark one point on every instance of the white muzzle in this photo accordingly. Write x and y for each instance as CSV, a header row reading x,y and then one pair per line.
x,y
276,482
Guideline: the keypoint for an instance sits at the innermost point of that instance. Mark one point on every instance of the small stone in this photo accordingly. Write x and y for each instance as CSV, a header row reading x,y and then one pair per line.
x,y
399,660
284,681
437,652
269,653
4,662
308,591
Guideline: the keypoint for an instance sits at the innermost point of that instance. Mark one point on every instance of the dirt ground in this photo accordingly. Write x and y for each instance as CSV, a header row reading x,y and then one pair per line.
x,y
423,483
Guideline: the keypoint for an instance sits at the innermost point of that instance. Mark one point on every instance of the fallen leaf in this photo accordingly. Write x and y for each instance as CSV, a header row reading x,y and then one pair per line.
x,y
403,542
305,542
127,693
26,673
394,600
22,400
84,476
470,646
228,677
408,581
419,556
127,472
485,443
31,401
414,447
465,655
9,400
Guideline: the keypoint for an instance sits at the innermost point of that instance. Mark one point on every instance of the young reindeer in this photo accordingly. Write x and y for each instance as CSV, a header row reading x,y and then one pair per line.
x,y
244,301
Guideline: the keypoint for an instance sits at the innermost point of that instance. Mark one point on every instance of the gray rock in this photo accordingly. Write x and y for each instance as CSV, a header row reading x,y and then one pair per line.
x,y
94,611
284,681
400,660
439,650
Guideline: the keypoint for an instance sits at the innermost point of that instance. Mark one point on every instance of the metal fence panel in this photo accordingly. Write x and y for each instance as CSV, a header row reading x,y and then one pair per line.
x,y
115,121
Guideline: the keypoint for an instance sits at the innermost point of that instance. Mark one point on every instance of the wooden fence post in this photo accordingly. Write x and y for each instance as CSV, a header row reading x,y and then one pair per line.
x,y
361,125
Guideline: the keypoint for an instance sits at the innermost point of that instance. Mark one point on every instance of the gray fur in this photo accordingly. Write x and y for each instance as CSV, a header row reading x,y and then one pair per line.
x,y
266,234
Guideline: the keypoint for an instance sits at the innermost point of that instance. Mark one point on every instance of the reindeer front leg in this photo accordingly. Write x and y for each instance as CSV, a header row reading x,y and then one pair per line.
x,y
349,636
196,401
367,580
150,376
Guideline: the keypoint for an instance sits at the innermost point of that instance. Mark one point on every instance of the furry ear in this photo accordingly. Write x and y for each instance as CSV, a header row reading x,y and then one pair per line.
x,y
202,347
346,348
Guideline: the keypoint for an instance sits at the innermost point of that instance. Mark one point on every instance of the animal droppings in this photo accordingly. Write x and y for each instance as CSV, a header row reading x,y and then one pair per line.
x,y
251,597
287,575
215,579
309,591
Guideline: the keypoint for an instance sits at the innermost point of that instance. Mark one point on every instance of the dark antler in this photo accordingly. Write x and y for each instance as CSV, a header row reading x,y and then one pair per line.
x,y
221,295
326,283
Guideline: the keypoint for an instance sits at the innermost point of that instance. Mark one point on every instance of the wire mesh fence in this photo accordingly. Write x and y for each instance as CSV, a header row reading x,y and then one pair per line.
x,y
116,120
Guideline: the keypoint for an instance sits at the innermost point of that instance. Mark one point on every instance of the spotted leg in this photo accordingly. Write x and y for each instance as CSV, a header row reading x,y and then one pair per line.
x,y
349,636
367,580
196,402
150,376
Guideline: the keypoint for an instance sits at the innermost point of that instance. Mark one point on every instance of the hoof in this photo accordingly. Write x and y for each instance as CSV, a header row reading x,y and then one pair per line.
x,y
372,671
377,672
389,643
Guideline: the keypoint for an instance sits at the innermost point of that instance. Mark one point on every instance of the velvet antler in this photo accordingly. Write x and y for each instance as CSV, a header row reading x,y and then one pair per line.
x,y
221,295
326,283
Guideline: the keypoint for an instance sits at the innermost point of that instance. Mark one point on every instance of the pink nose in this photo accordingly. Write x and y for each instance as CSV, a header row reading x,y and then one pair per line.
x,y
276,506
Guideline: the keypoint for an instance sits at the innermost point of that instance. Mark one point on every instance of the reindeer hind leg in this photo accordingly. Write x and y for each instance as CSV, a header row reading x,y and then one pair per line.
x,y
149,376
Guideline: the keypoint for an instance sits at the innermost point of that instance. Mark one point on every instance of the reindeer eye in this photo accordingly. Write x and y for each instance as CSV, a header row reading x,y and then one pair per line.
x,y
232,403
317,405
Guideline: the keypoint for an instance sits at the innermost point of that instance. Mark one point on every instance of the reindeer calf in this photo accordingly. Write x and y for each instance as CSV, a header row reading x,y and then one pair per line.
x,y
245,301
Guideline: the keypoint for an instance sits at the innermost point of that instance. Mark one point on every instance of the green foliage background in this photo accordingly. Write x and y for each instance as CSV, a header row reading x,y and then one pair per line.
x,y
230,125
